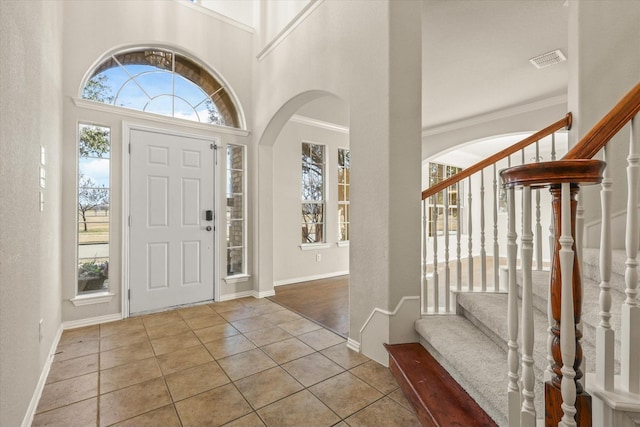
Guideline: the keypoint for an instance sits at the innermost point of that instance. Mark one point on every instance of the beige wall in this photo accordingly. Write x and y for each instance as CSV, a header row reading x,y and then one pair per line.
x,y
605,65
368,54
30,117
292,264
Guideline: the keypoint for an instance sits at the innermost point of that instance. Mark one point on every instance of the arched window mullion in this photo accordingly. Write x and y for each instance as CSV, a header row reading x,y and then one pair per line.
x,y
132,78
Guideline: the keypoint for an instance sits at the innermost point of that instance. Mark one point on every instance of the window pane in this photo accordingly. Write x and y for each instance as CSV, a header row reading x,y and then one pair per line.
x,y
235,181
183,110
317,153
94,142
93,208
156,82
234,233
188,91
235,261
312,233
235,208
93,172
131,96
235,158
312,212
343,232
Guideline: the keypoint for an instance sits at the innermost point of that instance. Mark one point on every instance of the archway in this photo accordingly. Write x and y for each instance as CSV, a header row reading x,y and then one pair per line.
x,y
309,203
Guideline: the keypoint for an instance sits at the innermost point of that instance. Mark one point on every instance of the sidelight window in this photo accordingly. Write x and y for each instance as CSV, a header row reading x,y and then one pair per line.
x,y
235,210
94,184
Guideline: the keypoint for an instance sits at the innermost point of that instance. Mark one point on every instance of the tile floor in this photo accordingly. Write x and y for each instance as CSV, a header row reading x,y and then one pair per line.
x,y
247,362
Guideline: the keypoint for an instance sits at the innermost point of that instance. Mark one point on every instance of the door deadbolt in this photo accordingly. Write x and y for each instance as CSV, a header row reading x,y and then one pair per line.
x,y
208,215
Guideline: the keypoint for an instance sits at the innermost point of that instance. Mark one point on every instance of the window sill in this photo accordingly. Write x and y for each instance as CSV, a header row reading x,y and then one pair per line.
x,y
343,244
97,298
238,278
314,246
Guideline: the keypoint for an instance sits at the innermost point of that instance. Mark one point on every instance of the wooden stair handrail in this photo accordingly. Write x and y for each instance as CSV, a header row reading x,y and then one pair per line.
x,y
565,122
607,127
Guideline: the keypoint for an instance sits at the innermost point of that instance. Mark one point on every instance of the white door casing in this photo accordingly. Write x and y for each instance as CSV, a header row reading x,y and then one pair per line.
x,y
171,242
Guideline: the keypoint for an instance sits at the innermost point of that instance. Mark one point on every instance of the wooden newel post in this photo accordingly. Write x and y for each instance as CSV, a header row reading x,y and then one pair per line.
x,y
553,396
566,375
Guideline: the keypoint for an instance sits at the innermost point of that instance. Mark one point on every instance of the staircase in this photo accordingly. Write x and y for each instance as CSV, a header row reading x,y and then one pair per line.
x,y
472,346
556,347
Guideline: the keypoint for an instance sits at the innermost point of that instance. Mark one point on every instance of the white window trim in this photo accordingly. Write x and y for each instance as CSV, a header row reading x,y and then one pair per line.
x,y
94,298
342,243
312,246
237,278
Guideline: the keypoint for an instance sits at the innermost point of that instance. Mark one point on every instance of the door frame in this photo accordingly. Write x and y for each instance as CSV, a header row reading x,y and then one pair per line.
x,y
127,127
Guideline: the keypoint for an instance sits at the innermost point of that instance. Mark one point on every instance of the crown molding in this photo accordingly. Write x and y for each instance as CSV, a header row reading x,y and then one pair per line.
x,y
319,124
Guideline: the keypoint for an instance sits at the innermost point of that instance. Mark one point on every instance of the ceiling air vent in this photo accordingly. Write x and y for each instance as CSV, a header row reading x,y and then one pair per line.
x,y
549,58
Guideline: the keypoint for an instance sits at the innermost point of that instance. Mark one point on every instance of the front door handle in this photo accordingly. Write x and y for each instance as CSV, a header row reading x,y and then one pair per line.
x,y
208,228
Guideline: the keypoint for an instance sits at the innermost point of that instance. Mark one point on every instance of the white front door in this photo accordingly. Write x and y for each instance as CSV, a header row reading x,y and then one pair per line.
x,y
171,237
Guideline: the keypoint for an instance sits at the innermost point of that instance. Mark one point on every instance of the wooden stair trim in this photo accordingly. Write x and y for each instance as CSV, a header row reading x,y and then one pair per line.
x,y
437,398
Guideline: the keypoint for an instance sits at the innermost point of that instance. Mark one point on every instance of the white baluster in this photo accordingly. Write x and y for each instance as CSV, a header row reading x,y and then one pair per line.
x,y
496,248
434,235
579,237
470,239
567,325
630,331
538,235
513,389
605,336
447,279
424,291
528,412
458,237
483,252
552,241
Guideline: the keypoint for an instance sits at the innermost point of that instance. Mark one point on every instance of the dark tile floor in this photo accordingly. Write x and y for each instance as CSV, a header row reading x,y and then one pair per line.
x,y
245,362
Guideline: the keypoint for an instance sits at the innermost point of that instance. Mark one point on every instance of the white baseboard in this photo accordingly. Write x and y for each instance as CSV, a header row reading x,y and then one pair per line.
x,y
353,345
309,278
236,295
37,394
264,294
72,324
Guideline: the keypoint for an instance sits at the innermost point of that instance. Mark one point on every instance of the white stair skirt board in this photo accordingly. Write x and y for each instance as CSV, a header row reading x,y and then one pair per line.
x,y
377,329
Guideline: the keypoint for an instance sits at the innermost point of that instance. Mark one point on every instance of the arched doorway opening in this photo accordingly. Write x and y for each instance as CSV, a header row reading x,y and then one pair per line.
x,y
308,141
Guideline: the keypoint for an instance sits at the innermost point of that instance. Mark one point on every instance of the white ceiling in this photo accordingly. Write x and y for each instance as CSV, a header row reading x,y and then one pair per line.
x,y
476,56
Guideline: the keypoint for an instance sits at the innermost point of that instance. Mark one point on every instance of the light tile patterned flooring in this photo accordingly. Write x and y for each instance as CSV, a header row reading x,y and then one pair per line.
x,y
246,362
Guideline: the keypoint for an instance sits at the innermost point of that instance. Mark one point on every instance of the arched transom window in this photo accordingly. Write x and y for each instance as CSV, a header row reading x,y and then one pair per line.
x,y
164,82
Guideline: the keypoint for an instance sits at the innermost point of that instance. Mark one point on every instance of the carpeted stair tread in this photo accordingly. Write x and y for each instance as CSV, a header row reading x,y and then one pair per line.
x,y
437,398
471,358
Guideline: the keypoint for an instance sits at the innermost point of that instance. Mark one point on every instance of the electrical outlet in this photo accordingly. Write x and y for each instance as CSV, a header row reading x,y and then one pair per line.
x,y
318,257
40,330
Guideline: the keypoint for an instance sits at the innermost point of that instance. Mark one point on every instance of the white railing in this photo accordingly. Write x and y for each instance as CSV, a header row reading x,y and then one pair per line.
x,y
616,396
449,225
